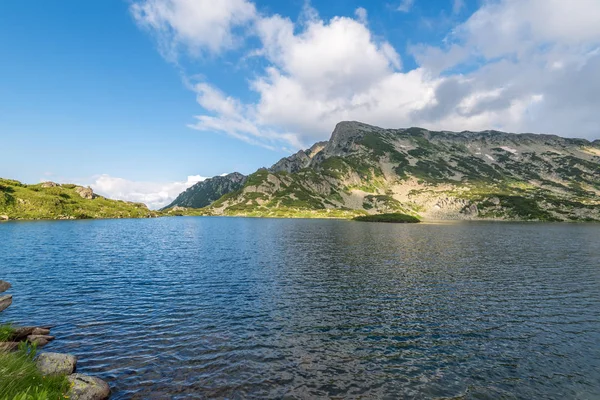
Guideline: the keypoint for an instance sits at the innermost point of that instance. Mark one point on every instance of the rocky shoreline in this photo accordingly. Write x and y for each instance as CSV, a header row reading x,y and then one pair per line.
x,y
82,387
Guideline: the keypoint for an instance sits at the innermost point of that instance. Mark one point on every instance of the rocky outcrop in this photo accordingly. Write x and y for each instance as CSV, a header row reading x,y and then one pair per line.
x,y
4,286
85,192
49,184
4,217
56,363
85,387
5,302
298,161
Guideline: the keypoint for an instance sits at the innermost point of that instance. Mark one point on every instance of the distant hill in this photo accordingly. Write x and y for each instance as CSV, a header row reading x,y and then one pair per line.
x,y
204,193
364,169
50,200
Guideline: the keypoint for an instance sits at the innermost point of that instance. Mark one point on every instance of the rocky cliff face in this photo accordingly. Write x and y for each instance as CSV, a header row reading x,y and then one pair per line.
x,y
436,175
204,193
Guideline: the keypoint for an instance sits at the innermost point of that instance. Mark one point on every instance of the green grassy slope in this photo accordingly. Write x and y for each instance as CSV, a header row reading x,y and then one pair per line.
x,y
21,201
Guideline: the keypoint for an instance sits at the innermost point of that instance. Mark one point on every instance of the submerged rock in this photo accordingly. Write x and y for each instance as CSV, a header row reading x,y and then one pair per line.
x,y
5,301
85,387
56,364
4,286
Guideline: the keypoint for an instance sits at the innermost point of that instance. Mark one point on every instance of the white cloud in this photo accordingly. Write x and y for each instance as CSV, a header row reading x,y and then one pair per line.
x,y
154,194
195,25
405,5
517,65
540,58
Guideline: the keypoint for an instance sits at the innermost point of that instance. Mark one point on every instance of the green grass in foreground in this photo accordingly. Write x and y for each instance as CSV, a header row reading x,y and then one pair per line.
x,y
394,217
21,380
6,332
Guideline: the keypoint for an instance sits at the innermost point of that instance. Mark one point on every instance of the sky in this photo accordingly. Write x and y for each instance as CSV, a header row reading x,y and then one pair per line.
x,y
142,98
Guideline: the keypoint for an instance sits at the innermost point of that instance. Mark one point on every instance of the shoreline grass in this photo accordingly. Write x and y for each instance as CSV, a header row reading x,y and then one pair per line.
x,y
6,332
20,378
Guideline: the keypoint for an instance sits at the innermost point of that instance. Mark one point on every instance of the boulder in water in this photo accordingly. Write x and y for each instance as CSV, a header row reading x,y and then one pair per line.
x,y
4,286
85,387
5,301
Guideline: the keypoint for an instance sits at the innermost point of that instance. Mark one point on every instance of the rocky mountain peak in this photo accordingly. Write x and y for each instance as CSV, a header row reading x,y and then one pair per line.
x,y
346,133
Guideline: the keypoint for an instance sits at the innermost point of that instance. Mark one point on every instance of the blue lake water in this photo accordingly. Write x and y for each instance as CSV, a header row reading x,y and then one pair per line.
x,y
308,309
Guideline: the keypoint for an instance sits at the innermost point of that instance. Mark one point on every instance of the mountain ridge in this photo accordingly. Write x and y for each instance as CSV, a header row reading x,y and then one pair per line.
x,y
364,169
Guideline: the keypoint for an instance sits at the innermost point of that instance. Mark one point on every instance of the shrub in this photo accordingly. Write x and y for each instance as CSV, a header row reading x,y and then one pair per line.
x,y
392,218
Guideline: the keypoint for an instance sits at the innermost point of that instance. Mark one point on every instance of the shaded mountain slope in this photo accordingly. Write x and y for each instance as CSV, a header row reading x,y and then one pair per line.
x,y
204,193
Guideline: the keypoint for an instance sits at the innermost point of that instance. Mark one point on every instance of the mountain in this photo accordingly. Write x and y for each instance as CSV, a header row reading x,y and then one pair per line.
x,y
204,193
364,169
51,200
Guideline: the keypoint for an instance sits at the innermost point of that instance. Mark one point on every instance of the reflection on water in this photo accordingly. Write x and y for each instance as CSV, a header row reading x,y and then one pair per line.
x,y
296,309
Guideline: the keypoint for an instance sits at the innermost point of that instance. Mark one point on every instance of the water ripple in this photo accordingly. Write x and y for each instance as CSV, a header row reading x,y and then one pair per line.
x,y
298,309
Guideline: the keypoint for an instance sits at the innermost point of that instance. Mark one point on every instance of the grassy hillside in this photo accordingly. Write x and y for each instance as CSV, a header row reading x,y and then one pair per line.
x,y
67,201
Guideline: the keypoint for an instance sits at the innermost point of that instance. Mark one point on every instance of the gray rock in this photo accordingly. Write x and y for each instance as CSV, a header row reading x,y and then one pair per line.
x,y
8,346
5,301
495,201
21,334
49,184
471,210
56,364
86,193
40,340
4,218
40,331
4,286
85,387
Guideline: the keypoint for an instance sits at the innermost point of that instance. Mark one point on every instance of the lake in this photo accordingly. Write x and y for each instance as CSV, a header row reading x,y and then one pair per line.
x,y
202,307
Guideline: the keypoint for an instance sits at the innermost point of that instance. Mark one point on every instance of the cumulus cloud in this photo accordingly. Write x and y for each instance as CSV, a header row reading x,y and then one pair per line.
x,y
537,68
194,25
517,65
154,194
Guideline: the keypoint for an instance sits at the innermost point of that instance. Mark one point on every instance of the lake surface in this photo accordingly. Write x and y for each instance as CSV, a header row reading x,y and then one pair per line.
x,y
297,309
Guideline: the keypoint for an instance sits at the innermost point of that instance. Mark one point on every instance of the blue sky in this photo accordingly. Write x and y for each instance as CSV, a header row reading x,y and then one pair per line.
x,y
141,98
